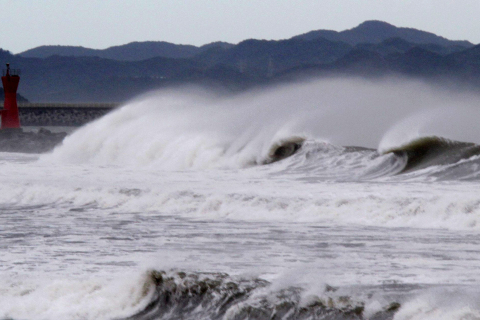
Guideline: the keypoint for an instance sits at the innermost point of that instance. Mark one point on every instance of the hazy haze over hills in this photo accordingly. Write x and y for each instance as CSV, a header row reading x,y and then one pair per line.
x,y
378,31
133,51
368,32
374,48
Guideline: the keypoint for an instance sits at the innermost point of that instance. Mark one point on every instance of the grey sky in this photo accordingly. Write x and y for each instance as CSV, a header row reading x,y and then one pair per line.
x,y
104,23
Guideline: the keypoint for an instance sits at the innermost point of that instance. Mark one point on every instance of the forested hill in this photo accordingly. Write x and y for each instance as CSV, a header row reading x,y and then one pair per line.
x,y
372,49
134,51
379,31
372,32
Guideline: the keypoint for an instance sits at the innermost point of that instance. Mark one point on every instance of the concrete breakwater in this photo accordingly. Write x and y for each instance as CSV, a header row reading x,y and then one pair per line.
x,y
62,114
42,115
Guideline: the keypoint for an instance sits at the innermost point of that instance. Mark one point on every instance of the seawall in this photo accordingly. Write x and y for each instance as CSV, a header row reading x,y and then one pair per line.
x,y
62,114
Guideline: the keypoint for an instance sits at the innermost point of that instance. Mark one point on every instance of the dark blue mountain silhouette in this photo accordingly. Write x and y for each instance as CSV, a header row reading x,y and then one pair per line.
x,y
374,48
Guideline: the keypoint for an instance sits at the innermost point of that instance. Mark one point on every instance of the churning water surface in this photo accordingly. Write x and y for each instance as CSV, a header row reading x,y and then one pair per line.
x,y
185,204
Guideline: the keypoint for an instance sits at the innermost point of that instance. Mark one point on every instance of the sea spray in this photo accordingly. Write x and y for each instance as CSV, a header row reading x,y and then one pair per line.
x,y
456,122
69,298
193,128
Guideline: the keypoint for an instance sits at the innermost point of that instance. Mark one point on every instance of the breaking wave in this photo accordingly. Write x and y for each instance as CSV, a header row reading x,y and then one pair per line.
x,y
305,126
175,294
179,134
180,295
435,151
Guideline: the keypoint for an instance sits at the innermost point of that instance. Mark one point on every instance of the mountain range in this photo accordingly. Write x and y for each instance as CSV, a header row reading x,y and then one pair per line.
x,y
134,51
374,48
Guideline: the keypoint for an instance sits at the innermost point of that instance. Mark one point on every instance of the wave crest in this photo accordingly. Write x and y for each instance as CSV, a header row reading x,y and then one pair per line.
x,y
178,136
218,296
434,151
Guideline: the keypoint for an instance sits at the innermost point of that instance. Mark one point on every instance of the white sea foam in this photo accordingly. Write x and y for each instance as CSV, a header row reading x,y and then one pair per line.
x,y
41,298
191,128
259,193
442,304
172,179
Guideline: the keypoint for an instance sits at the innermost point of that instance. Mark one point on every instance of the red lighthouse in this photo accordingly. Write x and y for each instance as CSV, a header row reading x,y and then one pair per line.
x,y
10,80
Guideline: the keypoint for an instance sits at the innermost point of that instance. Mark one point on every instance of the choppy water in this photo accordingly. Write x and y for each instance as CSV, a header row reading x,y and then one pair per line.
x,y
175,207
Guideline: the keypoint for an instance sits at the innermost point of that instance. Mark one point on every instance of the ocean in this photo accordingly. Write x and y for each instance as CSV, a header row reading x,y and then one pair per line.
x,y
323,199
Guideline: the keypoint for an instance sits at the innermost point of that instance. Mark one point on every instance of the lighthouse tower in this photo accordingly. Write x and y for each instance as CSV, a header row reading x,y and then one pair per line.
x,y
10,80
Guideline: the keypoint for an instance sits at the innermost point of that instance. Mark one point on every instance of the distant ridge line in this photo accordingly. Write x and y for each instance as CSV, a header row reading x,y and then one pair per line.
x,y
133,51
371,31
375,31
251,63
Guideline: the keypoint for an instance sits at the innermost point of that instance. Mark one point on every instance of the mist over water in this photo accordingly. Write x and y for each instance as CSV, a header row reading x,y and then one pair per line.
x,y
194,128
